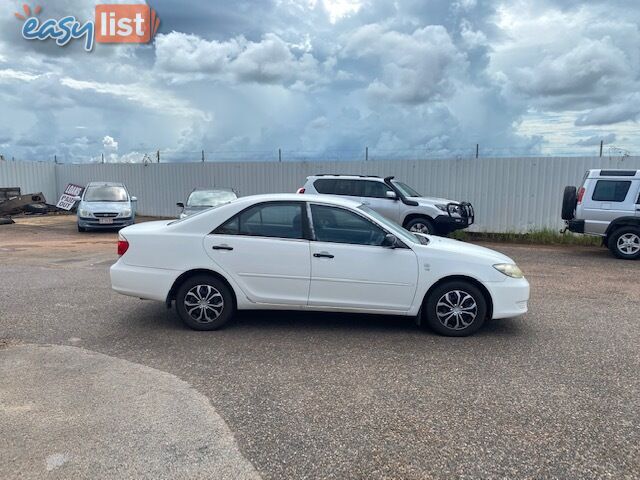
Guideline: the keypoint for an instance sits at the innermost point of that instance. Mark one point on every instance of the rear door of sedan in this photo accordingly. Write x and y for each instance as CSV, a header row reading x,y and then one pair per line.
x,y
350,268
266,251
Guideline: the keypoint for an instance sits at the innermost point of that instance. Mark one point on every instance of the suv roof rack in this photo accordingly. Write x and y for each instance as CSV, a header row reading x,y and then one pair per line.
x,y
344,175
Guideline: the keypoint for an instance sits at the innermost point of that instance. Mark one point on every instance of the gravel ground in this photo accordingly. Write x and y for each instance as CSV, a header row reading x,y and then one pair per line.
x,y
552,394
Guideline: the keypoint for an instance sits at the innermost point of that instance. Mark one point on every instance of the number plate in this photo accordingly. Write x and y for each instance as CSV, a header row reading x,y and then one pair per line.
x,y
105,221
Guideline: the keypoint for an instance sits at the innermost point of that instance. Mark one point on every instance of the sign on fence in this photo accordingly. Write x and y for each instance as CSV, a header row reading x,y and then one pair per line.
x,y
67,199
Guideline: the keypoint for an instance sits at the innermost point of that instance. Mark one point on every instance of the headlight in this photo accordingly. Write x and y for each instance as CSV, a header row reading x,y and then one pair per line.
x,y
439,206
84,213
509,269
126,212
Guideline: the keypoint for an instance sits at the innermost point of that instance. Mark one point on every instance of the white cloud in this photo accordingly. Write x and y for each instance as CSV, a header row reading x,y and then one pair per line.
x,y
414,68
109,143
182,57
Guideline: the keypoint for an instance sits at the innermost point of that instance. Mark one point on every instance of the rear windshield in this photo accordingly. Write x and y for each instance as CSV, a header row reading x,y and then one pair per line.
x,y
210,198
105,193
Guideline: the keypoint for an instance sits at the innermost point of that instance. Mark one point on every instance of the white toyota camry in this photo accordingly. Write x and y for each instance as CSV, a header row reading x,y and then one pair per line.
x,y
321,253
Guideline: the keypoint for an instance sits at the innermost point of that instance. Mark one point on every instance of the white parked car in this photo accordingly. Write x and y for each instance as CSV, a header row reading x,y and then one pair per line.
x,y
313,252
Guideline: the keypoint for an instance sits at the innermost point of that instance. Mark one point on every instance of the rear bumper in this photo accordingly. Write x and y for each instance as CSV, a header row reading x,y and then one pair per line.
x,y
575,226
142,282
510,298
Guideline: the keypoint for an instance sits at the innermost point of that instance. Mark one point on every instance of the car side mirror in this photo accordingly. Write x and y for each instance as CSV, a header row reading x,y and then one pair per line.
x,y
134,199
391,241
391,194
180,204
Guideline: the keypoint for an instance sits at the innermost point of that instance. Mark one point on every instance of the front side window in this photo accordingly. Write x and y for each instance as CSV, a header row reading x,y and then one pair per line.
x,y
611,190
373,189
279,220
337,225
105,193
405,189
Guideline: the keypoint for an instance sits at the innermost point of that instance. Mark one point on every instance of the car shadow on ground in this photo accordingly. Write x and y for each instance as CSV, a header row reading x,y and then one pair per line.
x,y
153,316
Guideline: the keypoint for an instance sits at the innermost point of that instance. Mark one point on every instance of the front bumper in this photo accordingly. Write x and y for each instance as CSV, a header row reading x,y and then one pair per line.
x,y
510,297
118,222
446,224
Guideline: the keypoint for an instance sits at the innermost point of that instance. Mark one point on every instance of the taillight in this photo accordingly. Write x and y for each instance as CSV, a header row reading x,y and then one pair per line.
x,y
580,194
300,190
123,246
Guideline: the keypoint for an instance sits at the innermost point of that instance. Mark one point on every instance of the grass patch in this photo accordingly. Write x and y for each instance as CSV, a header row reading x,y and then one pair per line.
x,y
539,237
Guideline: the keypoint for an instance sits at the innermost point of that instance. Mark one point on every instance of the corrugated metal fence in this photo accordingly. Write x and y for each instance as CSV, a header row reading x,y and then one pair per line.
x,y
509,194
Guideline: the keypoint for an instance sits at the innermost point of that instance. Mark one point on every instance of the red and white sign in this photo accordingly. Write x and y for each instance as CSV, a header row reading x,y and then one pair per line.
x,y
68,198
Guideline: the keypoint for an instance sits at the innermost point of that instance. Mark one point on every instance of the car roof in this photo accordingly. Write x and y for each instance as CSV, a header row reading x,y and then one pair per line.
x,y
347,177
613,172
105,184
214,189
297,197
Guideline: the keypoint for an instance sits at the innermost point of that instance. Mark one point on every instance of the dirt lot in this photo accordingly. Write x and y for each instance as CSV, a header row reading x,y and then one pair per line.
x,y
95,384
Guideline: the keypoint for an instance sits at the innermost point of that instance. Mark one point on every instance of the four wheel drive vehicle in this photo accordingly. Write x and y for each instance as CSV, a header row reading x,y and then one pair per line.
x,y
201,199
105,205
314,252
607,205
396,201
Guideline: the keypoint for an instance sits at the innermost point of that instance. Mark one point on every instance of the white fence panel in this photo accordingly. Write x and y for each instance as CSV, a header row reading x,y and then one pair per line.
x,y
31,177
509,194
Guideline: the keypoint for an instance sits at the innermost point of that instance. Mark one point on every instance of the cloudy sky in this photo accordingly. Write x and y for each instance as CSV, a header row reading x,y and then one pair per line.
x,y
325,78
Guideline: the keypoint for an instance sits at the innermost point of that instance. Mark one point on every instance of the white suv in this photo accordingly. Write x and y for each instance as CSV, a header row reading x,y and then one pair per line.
x,y
397,201
607,205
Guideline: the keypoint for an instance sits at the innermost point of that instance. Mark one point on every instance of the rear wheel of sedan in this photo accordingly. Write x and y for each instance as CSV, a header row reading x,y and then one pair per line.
x,y
455,309
204,303
625,243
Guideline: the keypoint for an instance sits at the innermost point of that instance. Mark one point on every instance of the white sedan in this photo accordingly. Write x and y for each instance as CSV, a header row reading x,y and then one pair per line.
x,y
319,253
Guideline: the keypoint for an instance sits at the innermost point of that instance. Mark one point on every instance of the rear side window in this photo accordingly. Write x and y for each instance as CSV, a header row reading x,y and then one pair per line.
x,y
279,220
611,190
338,186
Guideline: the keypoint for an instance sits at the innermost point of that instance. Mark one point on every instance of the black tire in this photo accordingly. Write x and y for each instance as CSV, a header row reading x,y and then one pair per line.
x,y
569,203
421,225
36,208
218,293
81,229
458,325
624,243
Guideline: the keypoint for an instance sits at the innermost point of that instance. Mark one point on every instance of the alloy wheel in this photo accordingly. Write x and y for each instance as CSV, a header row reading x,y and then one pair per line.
x,y
420,228
204,303
456,310
629,243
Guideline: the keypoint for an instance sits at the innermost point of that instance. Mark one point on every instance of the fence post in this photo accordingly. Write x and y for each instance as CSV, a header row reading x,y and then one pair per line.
x,y
202,156
103,158
279,154
158,155
477,149
366,154
601,144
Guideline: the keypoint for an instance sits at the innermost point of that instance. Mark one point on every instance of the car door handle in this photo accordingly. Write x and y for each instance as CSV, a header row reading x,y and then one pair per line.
x,y
222,247
323,255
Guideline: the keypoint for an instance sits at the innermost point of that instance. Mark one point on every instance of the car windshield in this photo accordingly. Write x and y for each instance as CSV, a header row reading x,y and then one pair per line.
x,y
105,193
394,228
210,198
405,189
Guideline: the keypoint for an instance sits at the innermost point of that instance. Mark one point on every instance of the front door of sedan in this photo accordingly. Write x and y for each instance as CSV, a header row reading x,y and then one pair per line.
x,y
349,268
265,251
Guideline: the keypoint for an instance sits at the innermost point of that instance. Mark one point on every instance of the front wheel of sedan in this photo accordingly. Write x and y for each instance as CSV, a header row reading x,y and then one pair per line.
x,y
204,303
455,309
